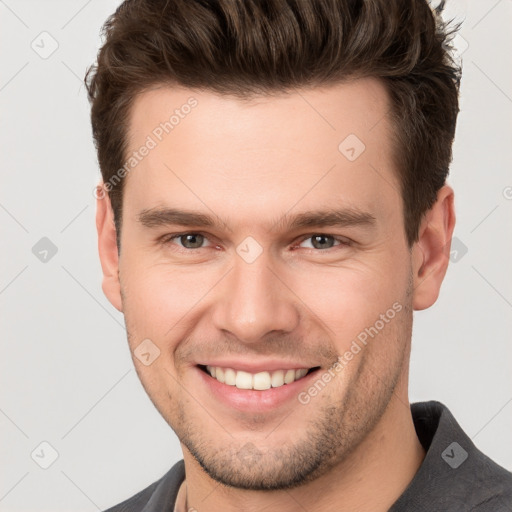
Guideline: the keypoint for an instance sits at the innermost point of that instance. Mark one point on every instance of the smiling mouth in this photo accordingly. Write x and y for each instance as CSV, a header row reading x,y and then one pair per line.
x,y
256,381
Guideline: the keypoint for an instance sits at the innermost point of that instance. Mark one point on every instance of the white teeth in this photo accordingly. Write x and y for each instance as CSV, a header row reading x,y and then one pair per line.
x,y
277,378
230,377
289,376
300,373
243,380
259,381
218,373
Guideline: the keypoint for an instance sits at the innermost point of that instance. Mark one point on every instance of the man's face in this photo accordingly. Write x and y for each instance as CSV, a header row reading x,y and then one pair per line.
x,y
252,292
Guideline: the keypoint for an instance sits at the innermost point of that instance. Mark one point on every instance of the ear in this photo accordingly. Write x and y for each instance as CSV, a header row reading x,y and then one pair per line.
x,y
107,248
431,253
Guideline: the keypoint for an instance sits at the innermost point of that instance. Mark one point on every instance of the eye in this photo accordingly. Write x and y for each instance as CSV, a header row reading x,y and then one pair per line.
x,y
322,241
186,240
189,241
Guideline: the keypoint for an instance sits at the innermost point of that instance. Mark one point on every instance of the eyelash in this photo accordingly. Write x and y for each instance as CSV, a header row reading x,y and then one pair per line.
x,y
343,242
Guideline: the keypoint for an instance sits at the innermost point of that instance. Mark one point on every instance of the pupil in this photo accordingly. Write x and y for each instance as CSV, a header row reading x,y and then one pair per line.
x,y
320,245
191,238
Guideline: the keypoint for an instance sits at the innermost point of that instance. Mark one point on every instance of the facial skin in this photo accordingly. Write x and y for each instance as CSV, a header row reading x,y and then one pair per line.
x,y
247,164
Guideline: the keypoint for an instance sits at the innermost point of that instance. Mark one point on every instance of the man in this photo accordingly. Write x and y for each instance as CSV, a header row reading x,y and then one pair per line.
x,y
273,209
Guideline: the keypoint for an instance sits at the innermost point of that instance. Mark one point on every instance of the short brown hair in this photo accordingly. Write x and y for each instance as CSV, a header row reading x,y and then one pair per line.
x,y
251,47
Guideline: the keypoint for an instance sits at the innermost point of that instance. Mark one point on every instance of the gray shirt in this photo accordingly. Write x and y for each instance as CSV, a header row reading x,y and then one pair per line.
x,y
454,477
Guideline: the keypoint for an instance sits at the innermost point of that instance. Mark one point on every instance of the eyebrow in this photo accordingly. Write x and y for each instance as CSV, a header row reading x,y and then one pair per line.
x,y
346,217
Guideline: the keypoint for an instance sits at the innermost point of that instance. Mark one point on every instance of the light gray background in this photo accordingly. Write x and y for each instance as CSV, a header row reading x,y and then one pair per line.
x,y
66,373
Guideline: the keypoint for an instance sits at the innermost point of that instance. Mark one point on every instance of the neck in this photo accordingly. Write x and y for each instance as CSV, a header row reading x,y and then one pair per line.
x,y
371,478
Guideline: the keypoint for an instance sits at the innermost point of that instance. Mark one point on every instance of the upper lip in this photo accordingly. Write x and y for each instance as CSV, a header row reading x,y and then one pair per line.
x,y
253,367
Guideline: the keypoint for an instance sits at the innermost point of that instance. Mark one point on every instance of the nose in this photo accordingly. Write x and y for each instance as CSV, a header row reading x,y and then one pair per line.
x,y
255,301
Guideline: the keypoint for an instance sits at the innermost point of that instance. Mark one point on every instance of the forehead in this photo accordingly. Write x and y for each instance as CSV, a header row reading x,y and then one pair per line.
x,y
329,145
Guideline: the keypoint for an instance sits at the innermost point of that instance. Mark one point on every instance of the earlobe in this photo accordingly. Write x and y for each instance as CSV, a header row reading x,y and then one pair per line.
x,y
431,253
107,248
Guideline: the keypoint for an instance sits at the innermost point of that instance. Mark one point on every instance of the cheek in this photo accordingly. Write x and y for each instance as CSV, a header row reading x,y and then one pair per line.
x,y
346,301
159,301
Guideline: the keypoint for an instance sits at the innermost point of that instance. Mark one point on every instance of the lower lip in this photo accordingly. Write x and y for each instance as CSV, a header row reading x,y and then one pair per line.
x,y
252,400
